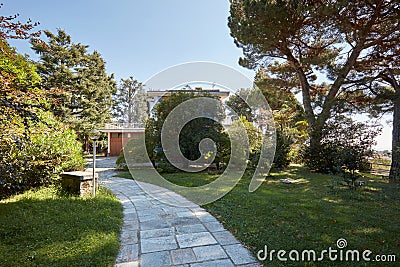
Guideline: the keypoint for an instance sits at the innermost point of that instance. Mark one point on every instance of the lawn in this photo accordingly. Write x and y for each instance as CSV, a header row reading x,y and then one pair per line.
x,y
312,214
43,228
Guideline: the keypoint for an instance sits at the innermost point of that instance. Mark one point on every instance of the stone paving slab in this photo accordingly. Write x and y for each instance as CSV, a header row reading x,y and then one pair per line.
x,y
157,234
183,256
195,239
213,252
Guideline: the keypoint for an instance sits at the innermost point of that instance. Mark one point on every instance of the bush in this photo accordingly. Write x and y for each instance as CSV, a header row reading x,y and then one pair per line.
x,y
192,133
135,151
121,163
36,156
283,152
284,143
166,167
345,147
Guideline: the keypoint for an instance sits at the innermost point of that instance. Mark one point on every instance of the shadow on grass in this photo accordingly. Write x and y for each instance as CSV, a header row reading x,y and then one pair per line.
x,y
313,216
309,215
42,228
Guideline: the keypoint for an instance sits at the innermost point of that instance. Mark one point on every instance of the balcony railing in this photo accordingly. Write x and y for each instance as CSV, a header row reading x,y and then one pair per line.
x,y
119,126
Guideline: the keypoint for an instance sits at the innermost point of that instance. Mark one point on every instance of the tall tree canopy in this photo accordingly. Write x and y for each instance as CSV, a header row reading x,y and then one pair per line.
x,y
300,41
290,124
12,29
34,146
85,89
130,104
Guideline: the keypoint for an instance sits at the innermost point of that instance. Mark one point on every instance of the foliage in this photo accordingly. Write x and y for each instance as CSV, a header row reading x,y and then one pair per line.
x,y
20,94
385,87
84,97
192,133
299,41
121,162
43,228
283,156
37,157
134,152
254,136
166,167
11,29
238,104
130,104
290,120
34,147
345,147
284,143
253,133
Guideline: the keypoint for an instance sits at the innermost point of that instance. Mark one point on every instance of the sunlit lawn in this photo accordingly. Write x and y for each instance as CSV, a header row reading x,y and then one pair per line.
x,y
43,228
312,214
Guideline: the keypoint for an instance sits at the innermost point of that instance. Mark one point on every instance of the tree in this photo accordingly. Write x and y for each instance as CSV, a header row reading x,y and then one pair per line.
x,y
11,29
85,97
298,41
384,86
130,104
237,103
19,81
395,99
377,78
345,146
192,133
34,147
289,116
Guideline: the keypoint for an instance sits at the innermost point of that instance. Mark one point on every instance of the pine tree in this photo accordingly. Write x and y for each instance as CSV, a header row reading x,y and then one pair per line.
x,y
301,40
130,104
85,89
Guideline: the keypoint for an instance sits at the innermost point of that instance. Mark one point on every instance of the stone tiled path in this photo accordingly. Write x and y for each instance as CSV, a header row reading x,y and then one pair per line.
x,y
156,234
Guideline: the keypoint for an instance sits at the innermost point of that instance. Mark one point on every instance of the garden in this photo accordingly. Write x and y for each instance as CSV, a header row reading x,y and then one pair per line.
x,y
321,65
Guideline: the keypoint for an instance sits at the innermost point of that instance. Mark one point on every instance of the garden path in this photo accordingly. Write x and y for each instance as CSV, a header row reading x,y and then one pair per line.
x,y
157,234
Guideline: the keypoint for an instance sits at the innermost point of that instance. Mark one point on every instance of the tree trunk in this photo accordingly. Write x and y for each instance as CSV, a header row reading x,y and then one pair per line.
x,y
395,167
315,135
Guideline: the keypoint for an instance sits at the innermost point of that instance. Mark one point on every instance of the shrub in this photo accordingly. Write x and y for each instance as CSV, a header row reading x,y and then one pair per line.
x,y
121,163
166,167
135,152
284,143
345,147
35,156
283,152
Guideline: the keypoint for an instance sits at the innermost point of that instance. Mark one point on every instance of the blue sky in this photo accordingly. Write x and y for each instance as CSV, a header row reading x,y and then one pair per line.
x,y
139,38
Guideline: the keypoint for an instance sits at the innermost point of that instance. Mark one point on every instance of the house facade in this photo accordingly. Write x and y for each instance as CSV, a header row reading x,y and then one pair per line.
x,y
119,134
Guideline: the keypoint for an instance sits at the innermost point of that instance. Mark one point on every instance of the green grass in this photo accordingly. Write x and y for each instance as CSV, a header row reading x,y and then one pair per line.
x,y
312,214
44,228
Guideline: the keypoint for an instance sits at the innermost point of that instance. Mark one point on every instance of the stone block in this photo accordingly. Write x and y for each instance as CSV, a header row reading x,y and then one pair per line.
x,y
78,182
